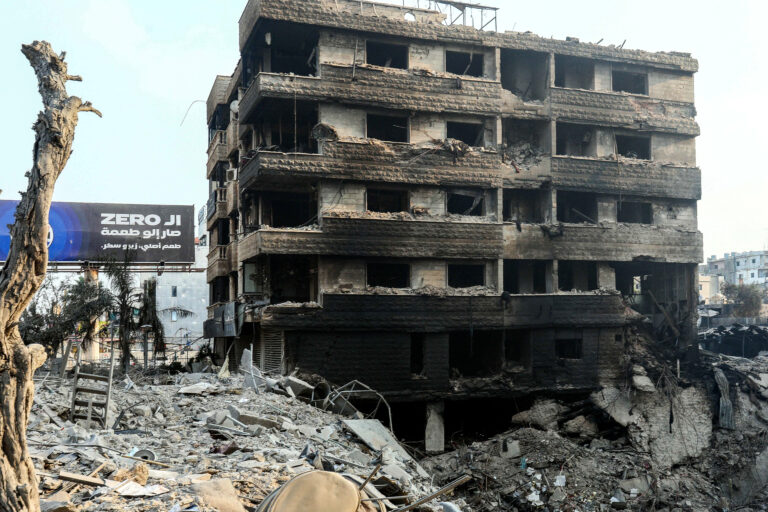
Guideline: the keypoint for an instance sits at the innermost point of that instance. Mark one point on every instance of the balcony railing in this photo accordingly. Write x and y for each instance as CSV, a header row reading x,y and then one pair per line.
x,y
217,200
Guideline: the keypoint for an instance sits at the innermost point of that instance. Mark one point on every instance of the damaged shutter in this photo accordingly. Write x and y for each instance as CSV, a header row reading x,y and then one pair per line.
x,y
271,351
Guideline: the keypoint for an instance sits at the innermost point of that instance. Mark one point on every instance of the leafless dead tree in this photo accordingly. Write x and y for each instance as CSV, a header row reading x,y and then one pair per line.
x,y
25,269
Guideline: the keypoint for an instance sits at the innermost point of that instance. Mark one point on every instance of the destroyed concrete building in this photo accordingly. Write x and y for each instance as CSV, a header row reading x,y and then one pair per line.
x,y
455,217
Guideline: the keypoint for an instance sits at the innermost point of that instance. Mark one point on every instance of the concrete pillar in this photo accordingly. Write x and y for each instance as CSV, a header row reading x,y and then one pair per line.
x,y
551,74
606,276
552,214
434,436
499,275
551,276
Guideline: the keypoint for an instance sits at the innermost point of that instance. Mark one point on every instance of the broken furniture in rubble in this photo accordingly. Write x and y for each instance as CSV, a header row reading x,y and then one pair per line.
x,y
86,390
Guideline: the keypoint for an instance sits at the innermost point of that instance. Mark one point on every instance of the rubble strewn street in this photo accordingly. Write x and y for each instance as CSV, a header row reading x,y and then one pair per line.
x,y
196,429
226,443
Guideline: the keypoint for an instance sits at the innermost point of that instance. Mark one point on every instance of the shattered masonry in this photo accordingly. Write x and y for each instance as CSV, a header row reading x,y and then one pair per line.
x,y
427,208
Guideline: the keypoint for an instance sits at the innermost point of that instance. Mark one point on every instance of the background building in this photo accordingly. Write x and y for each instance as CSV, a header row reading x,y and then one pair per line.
x,y
445,213
739,267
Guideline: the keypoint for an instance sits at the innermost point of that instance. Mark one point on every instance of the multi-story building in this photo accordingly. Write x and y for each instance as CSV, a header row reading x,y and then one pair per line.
x,y
443,212
709,289
739,267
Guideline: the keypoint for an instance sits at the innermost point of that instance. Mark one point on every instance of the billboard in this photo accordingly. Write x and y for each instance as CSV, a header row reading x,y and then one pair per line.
x,y
93,231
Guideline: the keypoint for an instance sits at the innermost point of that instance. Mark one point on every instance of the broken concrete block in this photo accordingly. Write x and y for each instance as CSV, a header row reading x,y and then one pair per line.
x,y
639,483
297,386
56,506
143,410
219,494
543,414
250,419
510,449
581,426
643,383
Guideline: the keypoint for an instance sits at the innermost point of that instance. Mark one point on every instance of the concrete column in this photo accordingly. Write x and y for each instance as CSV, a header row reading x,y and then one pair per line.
x,y
606,276
551,74
434,436
552,214
552,277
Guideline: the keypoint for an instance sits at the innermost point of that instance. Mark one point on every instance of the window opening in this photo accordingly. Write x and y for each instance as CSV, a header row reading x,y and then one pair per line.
x,y
466,275
634,83
464,63
387,128
386,200
389,275
471,134
386,55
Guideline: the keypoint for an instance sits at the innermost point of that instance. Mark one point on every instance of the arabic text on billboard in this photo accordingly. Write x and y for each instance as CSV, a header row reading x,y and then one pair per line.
x,y
94,231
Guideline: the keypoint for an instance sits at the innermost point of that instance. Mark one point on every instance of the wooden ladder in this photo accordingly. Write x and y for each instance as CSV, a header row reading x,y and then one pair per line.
x,y
91,394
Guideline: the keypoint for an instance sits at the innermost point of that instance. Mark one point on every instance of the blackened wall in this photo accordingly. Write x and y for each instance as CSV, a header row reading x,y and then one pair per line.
x,y
379,359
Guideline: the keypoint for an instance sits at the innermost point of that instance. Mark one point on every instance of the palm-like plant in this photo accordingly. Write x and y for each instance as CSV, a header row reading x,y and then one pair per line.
x,y
84,303
125,300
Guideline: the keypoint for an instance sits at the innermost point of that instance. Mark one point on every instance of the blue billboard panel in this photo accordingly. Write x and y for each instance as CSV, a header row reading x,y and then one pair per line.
x,y
94,231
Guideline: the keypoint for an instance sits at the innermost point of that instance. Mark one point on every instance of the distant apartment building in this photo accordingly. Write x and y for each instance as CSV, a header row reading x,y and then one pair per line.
x,y
739,267
442,212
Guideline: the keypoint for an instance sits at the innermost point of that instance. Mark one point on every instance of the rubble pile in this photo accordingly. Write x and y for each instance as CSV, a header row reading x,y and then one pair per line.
x,y
647,440
523,154
657,442
199,442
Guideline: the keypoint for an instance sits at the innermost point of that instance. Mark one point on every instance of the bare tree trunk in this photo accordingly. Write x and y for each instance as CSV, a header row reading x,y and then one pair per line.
x,y
24,271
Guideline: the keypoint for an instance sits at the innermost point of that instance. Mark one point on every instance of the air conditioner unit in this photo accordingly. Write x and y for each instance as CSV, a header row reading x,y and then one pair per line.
x,y
232,174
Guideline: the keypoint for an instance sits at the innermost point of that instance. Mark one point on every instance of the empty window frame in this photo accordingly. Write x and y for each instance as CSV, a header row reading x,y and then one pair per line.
x,y
388,128
174,316
286,126
576,275
569,348
574,72
471,134
389,275
523,205
386,55
575,140
525,276
417,353
634,83
466,275
466,203
576,207
288,210
464,63
174,291
386,200
219,289
292,278
524,73
222,232
634,212
475,353
517,347
630,146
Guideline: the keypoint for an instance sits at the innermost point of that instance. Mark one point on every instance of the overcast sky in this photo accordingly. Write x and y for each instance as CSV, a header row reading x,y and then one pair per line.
x,y
144,62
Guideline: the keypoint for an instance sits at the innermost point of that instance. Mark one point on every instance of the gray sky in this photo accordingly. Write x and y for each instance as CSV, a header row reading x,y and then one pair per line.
x,y
144,62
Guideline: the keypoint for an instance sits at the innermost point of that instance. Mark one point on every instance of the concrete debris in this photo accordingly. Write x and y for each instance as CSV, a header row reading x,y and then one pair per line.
x,y
226,451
